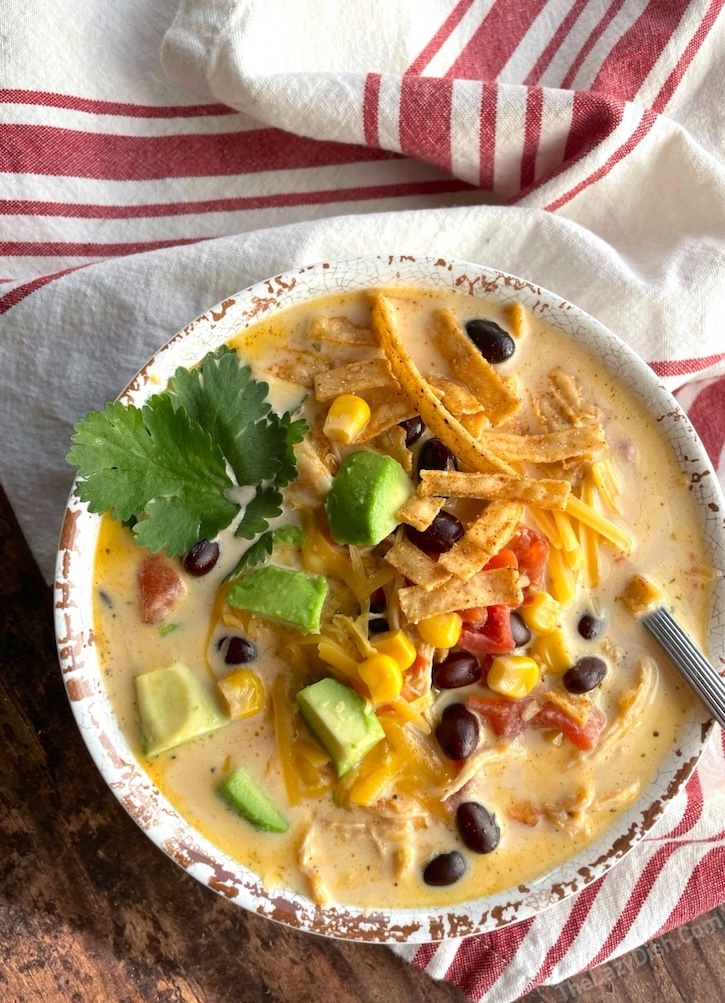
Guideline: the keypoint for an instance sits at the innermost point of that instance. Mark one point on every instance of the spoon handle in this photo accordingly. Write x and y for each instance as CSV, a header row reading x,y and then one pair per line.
x,y
688,658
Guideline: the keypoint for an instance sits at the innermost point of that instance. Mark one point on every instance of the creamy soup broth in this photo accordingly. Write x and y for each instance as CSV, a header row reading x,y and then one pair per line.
x,y
550,799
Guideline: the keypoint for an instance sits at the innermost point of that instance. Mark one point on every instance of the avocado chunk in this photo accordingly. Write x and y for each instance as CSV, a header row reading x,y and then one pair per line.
x,y
341,721
242,792
365,496
175,707
283,594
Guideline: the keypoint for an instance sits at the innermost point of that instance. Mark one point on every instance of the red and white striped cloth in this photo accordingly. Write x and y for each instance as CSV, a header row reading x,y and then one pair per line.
x,y
578,143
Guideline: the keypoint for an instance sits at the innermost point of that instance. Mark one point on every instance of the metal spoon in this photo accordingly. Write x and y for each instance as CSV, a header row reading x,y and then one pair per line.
x,y
688,658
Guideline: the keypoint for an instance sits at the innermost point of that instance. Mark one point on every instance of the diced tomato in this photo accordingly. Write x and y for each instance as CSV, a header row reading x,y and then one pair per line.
x,y
160,586
504,716
505,558
532,551
491,637
583,736
476,614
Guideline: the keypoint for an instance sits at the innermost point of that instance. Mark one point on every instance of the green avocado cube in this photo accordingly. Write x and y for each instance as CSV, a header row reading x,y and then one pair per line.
x,y
175,707
342,722
366,493
283,594
243,793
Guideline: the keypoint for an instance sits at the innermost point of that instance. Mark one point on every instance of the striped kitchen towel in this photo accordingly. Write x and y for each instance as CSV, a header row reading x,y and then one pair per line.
x,y
577,143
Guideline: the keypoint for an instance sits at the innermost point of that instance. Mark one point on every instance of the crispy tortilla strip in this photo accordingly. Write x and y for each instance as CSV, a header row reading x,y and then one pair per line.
x,y
416,566
392,442
458,399
564,404
353,378
424,402
387,408
301,367
476,424
469,366
487,588
338,331
420,512
641,595
483,538
549,447
542,492
516,316
575,705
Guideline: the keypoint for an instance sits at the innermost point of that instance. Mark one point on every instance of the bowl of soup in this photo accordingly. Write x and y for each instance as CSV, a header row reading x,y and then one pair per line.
x,y
347,591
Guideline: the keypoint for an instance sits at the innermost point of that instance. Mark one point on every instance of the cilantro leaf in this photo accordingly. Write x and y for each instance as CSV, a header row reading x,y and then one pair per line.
x,y
266,505
223,398
261,549
294,432
155,464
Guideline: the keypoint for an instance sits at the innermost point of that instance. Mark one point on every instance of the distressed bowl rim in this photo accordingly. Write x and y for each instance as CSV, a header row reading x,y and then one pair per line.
x,y
133,787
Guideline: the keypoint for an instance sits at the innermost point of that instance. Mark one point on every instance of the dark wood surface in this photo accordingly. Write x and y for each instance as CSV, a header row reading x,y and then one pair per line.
x,y
91,911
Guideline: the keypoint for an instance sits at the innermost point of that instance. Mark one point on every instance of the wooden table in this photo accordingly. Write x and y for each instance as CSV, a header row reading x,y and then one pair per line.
x,y
92,912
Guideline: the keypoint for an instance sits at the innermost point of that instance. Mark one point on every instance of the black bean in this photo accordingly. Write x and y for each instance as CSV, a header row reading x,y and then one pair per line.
x,y
379,625
378,602
460,668
585,674
202,557
494,344
445,869
478,827
237,650
521,633
443,532
589,626
435,455
413,428
458,732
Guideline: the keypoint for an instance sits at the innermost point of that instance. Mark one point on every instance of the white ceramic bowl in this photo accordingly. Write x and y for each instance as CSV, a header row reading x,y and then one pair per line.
x,y
132,786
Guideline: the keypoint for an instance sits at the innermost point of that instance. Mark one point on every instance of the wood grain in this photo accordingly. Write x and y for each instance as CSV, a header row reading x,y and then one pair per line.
x,y
91,911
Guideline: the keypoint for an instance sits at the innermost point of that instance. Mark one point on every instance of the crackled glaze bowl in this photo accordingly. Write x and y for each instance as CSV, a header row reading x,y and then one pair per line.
x,y
125,775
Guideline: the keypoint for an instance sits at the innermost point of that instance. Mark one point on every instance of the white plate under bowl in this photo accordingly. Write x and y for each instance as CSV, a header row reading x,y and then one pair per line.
x,y
94,713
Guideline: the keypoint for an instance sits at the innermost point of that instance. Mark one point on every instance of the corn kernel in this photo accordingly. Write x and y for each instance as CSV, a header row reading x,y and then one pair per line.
x,y
347,417
383,677
243,692
398,646
542,613
552,650
442,630
513,676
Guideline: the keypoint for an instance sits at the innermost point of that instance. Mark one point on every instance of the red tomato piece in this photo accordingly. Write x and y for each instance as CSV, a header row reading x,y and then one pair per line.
x,y
583,736
532,551
504,716
505,558
493,636
160,586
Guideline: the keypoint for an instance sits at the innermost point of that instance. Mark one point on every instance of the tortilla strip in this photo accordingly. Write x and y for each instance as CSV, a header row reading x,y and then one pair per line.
x,y
416,566
436,416
420,512
487,588
469,366
301,367
564,404
549,447
542,492
483,538
458,399
387,408
516,316
338,331
353,378
476,423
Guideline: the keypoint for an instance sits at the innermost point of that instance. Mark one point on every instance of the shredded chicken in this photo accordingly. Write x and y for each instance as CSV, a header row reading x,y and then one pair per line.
x,y
319,891
631,709
475,764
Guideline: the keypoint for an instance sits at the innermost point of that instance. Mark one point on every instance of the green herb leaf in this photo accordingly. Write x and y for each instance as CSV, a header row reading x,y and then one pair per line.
x,y
155,464
266,505
294,432
261,549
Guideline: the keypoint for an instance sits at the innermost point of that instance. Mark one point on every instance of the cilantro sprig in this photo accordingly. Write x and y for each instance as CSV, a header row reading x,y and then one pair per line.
x,y
165,467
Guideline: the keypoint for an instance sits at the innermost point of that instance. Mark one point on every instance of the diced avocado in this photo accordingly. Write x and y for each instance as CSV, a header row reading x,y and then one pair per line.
x,y
282,594
243,793
341,721
365,496
175,707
